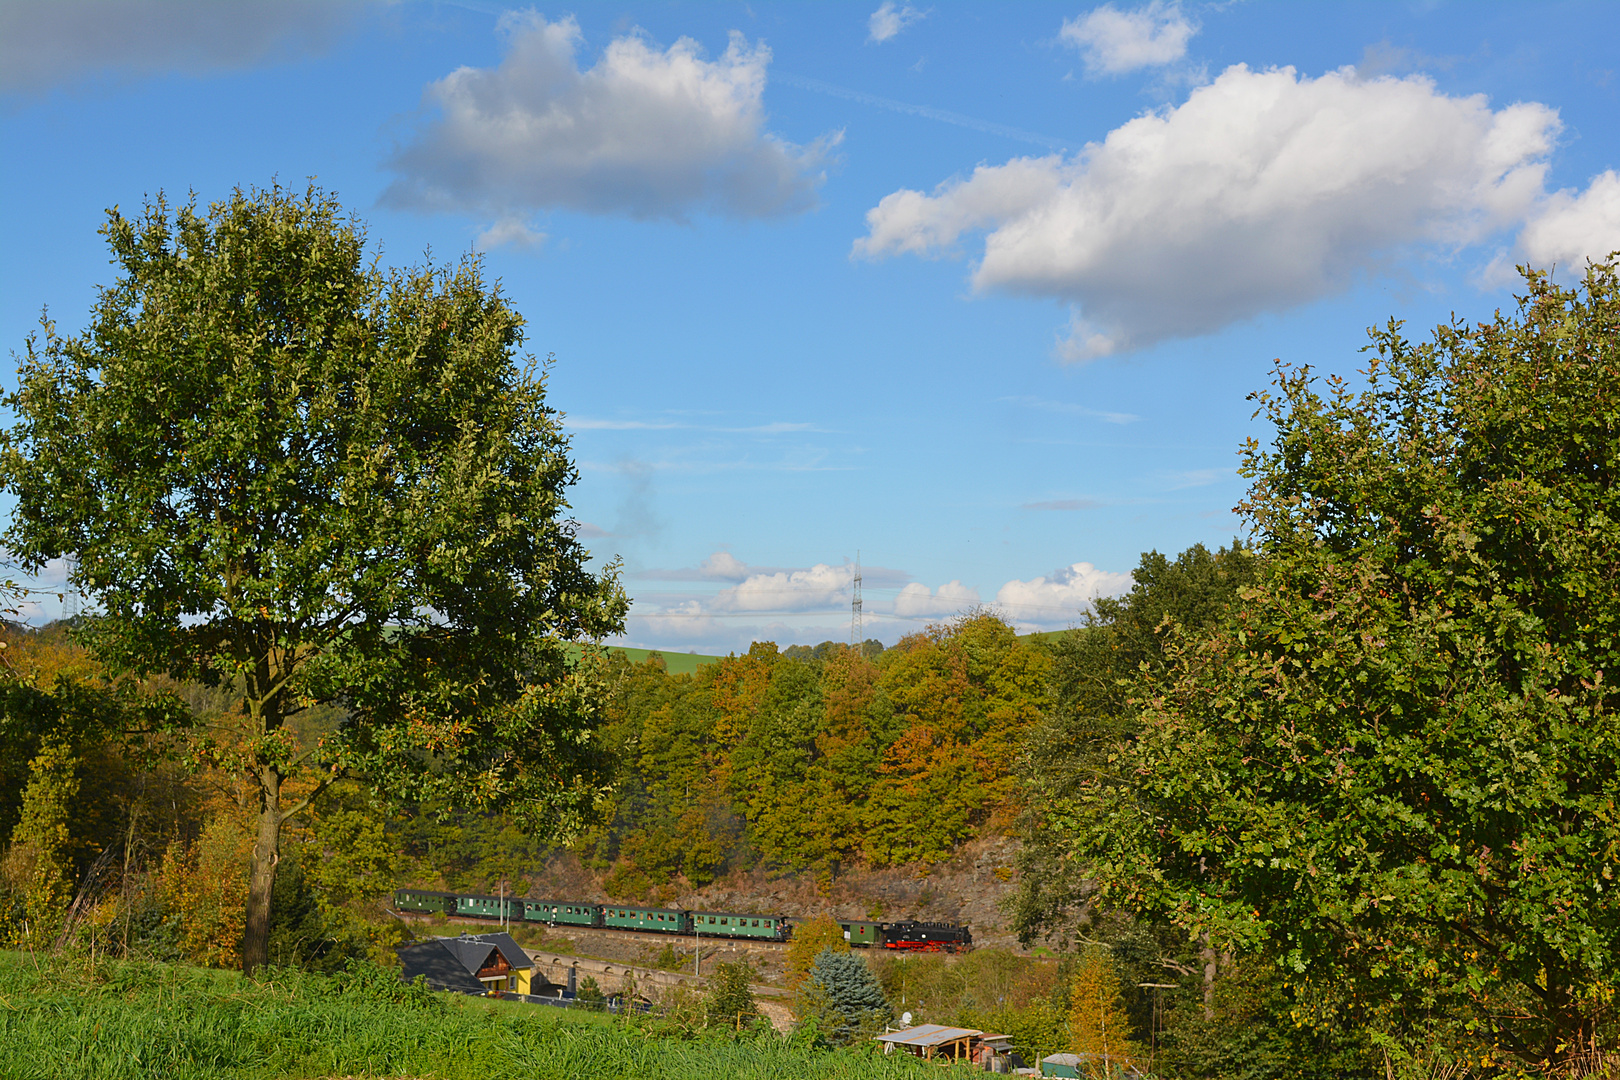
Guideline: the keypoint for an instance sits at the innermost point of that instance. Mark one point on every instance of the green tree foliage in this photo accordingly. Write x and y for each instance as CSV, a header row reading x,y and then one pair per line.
x,y
1396,769
1093,669
589,994
729,1002
291,473
963,696
991,989
842,998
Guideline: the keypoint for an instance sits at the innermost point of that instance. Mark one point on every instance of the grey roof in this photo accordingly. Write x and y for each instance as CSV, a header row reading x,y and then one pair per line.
x,y
473,950
454,963
928,1035
442,968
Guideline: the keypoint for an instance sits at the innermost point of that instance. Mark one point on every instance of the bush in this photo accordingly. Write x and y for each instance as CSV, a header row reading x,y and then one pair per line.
x,y
730,1000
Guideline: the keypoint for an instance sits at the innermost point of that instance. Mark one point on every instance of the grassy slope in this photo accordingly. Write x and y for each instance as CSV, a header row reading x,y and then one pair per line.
x,y
64,1020
675,663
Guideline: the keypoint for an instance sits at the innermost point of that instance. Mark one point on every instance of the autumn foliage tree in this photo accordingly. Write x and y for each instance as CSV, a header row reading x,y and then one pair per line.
x,y
329,488
1099,1029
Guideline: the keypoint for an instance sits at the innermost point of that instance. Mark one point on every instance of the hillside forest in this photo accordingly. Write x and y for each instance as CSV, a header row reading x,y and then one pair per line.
x,y
796,761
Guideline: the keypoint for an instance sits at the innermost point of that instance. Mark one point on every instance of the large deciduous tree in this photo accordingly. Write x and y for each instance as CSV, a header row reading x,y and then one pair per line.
x,y
1396,768
289,471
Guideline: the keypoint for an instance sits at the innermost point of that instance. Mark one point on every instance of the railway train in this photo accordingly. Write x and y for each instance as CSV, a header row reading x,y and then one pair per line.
x,y
910,936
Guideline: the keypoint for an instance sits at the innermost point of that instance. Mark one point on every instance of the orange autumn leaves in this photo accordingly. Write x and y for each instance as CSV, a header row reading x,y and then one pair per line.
x,y
813,763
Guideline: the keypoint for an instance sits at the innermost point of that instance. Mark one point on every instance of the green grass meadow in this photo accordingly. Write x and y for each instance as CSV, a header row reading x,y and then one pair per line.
x,y
74,1020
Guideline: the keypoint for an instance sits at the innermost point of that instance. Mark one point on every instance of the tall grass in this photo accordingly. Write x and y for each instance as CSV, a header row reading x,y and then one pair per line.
x,y
146,1021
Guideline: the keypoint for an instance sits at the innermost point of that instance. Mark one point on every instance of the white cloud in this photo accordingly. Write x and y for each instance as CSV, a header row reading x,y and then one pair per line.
x,y
888,20
915,600
44,44
724,566
1261,192
647,133
1061,598
820,586
511,230
1570,228
1114,42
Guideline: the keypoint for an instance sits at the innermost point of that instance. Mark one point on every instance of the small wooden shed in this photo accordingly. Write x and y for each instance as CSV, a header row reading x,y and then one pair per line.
x,y
934,1042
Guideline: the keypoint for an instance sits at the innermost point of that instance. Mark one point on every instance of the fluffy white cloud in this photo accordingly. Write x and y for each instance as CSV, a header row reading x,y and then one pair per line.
x,y
917,601
888,20
648,133
1263,191
820,586
1061,598
1114,41
1570,228
45,44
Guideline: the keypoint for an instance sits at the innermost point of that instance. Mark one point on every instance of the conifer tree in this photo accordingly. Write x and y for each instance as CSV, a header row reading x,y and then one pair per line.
x,y
39,862
843,997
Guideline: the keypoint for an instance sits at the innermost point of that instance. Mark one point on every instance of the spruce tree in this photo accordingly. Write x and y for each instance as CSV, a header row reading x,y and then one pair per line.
x,y
843,997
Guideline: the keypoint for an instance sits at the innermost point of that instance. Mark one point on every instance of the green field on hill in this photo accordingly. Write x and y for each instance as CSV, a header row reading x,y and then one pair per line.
x,y
676,663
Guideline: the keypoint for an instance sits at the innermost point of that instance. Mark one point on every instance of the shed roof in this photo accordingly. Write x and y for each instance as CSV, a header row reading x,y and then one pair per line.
x,y
928,1035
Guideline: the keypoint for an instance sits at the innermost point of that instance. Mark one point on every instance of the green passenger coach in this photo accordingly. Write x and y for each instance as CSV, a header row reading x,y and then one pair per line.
x,y
657,920
425,900
731,924
560,913
489,907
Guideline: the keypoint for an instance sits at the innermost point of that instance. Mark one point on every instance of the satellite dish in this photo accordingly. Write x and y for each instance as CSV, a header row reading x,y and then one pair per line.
x,y
905,1019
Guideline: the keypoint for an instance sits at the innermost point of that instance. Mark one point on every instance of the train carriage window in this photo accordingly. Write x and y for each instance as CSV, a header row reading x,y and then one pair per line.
x,y
754,923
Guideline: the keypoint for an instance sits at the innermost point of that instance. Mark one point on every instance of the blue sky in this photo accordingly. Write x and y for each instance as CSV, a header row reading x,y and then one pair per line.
x,y
977,291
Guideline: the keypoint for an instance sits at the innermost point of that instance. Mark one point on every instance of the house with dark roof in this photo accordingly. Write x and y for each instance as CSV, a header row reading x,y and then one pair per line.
x,y
471,964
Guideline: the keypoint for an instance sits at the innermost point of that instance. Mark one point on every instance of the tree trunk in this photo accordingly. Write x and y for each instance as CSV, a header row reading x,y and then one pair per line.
x,y
262,873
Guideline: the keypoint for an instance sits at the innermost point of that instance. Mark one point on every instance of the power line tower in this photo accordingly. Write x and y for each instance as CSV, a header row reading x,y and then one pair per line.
x,y
855,638
72,601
